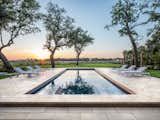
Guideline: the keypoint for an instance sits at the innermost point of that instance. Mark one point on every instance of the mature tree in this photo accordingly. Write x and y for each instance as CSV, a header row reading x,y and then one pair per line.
x,y
129,56
80,39
58,26
154,15
125,52
127,14
153,48
149,54
142,55
17,17
151,51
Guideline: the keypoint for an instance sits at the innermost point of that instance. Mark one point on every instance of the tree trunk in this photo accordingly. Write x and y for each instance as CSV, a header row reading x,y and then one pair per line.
x,y
133,59
124,58
136,62
141,59
7,66
77,63
133,44
52,60
134,49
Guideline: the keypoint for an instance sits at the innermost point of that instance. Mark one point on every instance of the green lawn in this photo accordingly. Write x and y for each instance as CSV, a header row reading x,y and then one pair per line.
x,y
5,76
154,73
70,65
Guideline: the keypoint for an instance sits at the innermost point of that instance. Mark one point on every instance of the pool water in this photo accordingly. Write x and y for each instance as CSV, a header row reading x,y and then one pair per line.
x,y
80,82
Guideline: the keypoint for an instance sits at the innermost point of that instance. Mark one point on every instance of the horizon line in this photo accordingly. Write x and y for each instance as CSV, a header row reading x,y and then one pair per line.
x,y
67,58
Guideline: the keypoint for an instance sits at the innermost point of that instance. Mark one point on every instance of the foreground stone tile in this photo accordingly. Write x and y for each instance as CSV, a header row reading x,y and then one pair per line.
x,y
121,116
79,113
54,116
80,110
21,109
57,110
104,110
94,116
14,116
143,115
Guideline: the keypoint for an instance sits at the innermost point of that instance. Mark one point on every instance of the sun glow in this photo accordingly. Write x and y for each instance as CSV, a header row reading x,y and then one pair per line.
x,y
40,53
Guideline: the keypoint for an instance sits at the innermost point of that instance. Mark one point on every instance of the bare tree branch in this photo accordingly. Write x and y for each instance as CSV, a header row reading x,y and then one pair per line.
x,y
139,24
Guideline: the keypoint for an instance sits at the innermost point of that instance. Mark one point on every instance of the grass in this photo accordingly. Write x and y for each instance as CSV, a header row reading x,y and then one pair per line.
x,y
92,65
154,73
5,76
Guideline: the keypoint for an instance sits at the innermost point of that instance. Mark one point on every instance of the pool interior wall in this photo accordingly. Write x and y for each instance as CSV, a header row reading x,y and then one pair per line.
x,y
78,81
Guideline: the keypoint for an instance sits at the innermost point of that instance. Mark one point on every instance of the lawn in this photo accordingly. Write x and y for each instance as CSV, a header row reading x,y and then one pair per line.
x,y
154,73
70,65
5,76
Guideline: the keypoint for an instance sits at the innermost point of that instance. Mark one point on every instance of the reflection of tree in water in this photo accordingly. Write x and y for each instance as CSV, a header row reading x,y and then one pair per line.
x,y
80,87
50,89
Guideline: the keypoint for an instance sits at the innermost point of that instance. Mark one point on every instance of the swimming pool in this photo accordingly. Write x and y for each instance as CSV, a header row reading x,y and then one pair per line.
x,y
79,81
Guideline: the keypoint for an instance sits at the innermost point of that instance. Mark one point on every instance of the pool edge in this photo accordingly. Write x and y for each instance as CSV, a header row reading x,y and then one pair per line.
x,y
115,82
79,104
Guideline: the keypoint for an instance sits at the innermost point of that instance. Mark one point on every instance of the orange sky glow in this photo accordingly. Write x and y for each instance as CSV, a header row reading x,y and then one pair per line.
x,y
40,54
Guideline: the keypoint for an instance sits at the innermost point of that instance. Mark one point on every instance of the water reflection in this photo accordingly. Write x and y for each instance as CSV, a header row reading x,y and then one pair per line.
x,y
80,82
79,86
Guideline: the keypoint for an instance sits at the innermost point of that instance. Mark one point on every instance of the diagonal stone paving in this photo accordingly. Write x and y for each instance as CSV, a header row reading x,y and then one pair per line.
x,y
79,113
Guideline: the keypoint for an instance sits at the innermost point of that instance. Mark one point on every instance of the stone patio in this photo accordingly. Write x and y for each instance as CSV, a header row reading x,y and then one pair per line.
x,y
76,113
147,89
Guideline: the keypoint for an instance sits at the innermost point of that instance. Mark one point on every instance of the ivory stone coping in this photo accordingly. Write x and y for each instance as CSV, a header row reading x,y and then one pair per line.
x,y
79,101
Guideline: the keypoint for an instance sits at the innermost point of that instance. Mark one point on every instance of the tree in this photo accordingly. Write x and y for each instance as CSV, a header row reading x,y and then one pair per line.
x,y
80,39
152,51
125,56
153,47
58,27
154,15
142,55
17,17
126,15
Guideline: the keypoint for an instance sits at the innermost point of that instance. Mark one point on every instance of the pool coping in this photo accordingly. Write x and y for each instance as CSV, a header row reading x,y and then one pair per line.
x,y
116,83
78,101
79,104
40,86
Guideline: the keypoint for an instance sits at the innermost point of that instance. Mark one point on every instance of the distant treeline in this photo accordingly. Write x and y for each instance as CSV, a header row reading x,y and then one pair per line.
x,y
72,59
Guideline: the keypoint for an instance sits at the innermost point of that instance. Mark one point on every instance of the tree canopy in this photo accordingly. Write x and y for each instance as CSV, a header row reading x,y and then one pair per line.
x,y
17,17
58,27
79,39
127,14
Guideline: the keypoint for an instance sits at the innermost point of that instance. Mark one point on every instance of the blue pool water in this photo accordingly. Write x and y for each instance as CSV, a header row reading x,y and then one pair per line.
x,y
80,82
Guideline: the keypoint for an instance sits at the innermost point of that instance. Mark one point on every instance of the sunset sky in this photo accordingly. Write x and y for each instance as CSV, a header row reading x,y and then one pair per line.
x,y
91,15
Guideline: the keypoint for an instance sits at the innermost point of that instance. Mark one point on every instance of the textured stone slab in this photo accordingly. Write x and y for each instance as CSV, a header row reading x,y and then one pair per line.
x,y
78,113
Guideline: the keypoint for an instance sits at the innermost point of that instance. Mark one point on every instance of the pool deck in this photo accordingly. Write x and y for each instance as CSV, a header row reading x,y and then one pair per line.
x,y
13,99
12,92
